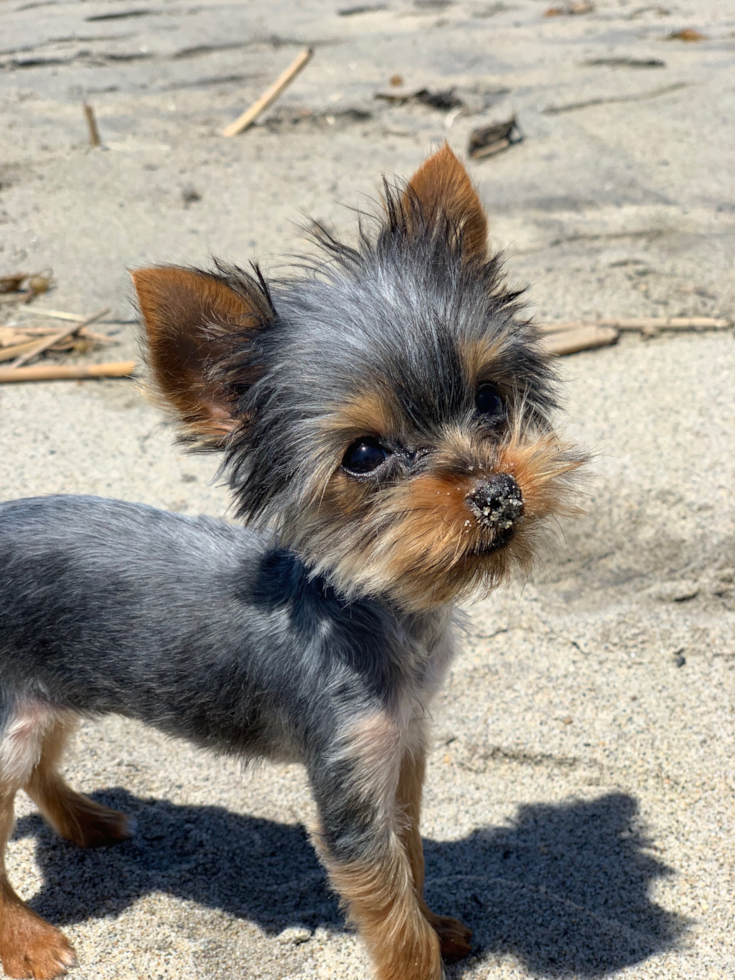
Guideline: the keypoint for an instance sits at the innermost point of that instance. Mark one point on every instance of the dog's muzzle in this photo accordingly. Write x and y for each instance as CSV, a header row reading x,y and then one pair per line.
x,y
497,502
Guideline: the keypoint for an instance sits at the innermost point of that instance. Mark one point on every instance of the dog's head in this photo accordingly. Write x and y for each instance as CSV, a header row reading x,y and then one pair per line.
x,y
387,411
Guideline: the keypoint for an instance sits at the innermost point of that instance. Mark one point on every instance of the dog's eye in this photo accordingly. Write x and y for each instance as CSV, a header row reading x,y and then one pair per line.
x,y
364,456
489,402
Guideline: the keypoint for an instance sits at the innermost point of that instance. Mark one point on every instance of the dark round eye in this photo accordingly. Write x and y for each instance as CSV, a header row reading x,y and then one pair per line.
x,y
364,456
489,402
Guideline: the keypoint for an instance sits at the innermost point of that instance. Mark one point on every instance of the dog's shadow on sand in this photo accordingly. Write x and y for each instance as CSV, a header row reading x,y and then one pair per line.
x,y
565,889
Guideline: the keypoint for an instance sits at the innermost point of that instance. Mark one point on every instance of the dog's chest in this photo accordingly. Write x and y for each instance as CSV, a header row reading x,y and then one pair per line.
x,y
430,645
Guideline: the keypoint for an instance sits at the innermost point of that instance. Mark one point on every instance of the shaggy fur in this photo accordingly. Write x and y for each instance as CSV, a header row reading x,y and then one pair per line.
x,y
384,420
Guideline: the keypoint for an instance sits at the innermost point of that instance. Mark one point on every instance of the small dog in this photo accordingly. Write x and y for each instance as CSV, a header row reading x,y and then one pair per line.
x,y
384,418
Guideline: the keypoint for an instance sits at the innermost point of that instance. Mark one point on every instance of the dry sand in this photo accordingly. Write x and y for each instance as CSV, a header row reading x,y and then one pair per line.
x,y
580,802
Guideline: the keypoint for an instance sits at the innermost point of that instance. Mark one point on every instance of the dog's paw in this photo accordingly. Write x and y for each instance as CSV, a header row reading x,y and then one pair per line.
x,y
454,937
31,947
89,824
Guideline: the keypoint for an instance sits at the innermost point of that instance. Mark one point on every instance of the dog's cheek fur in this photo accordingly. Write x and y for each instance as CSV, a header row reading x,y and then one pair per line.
x,y
415,540
545,469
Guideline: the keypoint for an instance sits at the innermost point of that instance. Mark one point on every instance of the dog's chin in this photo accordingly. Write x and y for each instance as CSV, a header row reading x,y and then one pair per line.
x,y
445,577
501,539
483,567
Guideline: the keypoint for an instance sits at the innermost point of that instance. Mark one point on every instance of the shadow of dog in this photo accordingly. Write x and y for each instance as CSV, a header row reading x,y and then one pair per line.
x,y
564,889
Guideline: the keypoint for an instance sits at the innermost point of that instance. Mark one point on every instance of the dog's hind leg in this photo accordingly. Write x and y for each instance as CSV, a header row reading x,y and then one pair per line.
x,y
72,815
29,946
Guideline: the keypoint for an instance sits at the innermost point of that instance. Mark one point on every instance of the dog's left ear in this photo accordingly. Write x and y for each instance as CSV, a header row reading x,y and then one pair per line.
x,y
442,186
195,323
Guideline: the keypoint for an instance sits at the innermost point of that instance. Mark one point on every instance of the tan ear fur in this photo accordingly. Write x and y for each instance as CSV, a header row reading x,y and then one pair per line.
x,y
184,312
441,185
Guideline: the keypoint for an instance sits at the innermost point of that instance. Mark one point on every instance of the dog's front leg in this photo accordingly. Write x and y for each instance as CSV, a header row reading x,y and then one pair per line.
x,y
454,936
361,840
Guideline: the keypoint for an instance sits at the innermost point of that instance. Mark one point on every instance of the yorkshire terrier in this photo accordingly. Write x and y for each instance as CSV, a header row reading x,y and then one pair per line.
x,y
384,417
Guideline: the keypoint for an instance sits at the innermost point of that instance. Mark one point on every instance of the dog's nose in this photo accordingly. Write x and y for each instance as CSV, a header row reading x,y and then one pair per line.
x,y
497,502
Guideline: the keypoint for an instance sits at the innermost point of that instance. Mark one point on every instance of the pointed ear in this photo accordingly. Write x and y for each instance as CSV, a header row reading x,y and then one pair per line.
x,y
441,185
194,321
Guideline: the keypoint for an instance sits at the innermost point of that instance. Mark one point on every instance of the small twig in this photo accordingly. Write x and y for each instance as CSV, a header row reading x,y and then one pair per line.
x,y
489,151
582,338
561,327
670,323
98,338
55,314
45,342
63,372
644,324
489,140
29,334
16,350
11,284
61,315
269,96
554,110
94,133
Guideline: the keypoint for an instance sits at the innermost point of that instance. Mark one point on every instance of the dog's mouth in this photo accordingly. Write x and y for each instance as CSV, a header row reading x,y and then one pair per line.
x,y
500,539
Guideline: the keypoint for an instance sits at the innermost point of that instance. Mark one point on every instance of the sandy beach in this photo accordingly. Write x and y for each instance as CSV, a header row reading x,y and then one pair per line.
x,y
580,802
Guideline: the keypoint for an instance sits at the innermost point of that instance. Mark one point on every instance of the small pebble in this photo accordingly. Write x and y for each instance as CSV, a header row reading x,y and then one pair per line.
x,y
294,936
190,195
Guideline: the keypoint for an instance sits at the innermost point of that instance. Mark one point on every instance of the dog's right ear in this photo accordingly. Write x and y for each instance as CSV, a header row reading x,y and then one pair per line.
x,y
442,186
195,323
